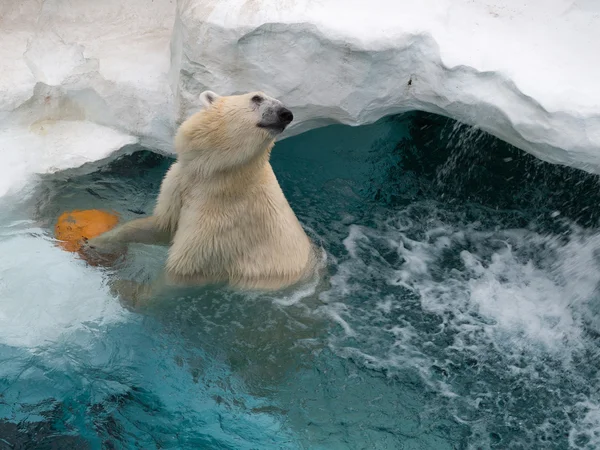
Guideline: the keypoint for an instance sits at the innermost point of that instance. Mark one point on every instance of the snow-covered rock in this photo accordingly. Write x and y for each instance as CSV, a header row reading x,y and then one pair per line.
x,y
111,73
81,79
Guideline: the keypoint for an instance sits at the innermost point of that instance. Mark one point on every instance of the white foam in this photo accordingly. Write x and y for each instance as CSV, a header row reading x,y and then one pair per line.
x,y
586,433
523,305
462,302
495,295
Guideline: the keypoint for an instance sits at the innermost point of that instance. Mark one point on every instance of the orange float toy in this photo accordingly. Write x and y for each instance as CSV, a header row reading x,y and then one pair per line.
x,y
74,228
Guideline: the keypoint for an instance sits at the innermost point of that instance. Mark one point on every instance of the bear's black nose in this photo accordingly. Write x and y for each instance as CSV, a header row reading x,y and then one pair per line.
x,y
285,115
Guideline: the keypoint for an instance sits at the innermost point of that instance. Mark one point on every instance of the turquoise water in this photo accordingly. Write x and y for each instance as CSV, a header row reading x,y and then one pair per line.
x,y
460,309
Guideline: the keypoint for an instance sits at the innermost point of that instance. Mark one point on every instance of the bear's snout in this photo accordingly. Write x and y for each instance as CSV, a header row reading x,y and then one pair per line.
x,y
276,118
285,116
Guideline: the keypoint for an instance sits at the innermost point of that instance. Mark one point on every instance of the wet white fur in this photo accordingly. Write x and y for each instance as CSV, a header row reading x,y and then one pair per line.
x,y
220,205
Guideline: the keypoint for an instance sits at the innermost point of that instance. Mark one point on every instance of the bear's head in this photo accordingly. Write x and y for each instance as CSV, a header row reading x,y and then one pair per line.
x,y
232,130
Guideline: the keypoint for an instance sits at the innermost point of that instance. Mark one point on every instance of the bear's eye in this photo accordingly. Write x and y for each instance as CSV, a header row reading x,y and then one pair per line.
x,y
257,99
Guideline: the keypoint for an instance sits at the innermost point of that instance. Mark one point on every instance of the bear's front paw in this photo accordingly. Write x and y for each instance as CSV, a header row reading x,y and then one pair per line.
x,y
105,244
100,251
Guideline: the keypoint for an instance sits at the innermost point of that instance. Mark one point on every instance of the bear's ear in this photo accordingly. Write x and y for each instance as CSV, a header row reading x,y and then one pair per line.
x,y
208,98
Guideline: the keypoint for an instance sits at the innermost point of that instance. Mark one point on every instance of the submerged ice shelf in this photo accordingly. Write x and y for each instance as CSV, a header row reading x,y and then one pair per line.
x,y
526,73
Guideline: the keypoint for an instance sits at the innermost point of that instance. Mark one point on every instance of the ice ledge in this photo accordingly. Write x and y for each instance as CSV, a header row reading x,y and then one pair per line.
x,y
106,74
527,74
50,146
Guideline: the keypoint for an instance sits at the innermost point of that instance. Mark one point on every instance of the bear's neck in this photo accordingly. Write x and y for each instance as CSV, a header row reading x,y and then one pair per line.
x,y
234,181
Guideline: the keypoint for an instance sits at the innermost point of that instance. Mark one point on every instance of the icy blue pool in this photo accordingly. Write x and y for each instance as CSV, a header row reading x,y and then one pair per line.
x,y
460,310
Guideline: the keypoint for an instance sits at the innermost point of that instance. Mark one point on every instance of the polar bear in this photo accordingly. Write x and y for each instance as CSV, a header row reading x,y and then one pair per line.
x,y
220,207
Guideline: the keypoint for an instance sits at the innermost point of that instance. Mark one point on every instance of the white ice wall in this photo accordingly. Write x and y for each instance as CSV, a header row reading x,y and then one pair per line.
x,y
79,79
